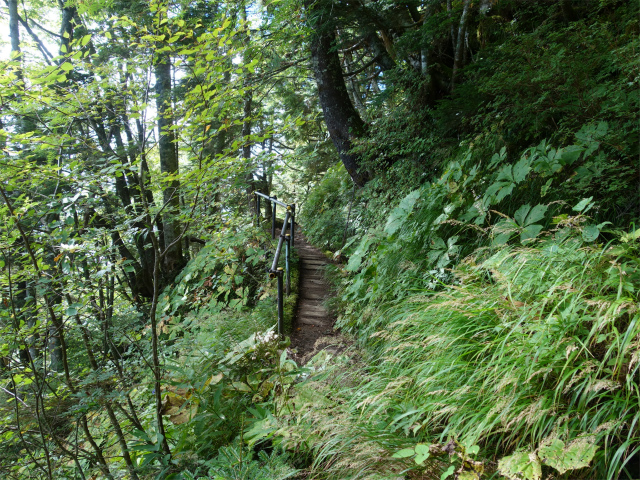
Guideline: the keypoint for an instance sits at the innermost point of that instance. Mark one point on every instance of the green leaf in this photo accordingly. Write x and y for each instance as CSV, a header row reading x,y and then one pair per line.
x,y
584,205
537,213
422,453
521,214
283,357
85,40
499,191
506,173
526,216
521,465
422,448
590,233
448,472
468,475
630,237
530,231
401,212
438,244
577,454
570,154
356,259
521,169
242,387
501,239
404,453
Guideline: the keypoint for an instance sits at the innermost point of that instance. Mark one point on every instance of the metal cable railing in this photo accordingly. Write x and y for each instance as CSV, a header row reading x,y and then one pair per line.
x,y
286,240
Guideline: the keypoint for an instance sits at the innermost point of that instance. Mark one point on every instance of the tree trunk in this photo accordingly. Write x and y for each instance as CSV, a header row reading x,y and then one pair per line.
x,y
353,88
342,119
462,27
246,149
173,260
66,27
14,30
378,49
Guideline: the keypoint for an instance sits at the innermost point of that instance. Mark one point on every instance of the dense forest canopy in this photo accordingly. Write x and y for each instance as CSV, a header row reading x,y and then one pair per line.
x,y
474,163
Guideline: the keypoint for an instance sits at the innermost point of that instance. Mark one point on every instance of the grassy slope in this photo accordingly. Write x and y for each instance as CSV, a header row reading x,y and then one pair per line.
x,y
494,309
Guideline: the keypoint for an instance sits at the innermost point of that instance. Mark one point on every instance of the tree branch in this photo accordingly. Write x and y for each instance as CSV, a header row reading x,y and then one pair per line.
x,y
45,52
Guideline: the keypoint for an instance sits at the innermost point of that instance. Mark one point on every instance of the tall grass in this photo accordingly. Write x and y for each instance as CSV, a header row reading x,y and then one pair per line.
x,y
532,344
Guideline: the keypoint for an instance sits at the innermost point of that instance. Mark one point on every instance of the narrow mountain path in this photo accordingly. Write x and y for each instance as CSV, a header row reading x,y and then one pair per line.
x,y
312,321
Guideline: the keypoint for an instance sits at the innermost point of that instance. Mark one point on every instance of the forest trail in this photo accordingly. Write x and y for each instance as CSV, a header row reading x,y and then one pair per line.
x,y
312,321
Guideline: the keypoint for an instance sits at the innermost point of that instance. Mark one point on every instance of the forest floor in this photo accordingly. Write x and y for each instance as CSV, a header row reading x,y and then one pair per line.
x,y
313,324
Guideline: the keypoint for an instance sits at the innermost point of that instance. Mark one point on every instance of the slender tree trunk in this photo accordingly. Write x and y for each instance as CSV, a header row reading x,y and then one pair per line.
x,y
452,32
23,316
246,149
155,355
424,52
29,314
462,27
55,333
267,179
115,424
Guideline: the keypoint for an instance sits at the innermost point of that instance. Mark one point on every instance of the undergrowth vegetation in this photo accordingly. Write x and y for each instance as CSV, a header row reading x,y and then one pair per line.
x,y
485,231
492,272
490,288
225,358
526,364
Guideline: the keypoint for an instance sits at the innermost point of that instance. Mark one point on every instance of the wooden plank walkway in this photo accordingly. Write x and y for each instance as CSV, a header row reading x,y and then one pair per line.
x,y
312,320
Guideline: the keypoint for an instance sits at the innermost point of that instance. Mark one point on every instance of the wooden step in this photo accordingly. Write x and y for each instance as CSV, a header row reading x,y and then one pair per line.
x,y
322,314
313,311
314,321
313,289
311,316
317,298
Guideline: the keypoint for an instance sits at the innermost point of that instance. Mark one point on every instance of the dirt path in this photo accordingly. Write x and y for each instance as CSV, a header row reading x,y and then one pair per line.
x,y
312,320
